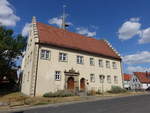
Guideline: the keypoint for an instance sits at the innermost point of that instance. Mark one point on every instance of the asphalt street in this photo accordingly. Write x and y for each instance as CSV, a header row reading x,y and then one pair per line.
x,y
134,104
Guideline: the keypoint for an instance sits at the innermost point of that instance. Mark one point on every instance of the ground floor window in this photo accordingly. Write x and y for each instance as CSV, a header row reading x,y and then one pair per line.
x,y
108,79
57,75
115,79
102,78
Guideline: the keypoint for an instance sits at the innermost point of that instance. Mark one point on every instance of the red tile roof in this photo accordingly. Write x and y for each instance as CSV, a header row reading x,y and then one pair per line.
x,y
63,38
127,77
144,77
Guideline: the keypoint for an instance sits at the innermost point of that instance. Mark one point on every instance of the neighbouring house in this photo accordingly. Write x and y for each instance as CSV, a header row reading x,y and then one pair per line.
x,y
56,59
127,81
140,80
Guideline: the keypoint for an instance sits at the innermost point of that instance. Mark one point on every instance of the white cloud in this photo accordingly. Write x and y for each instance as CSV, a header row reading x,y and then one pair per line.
x,y
85,31
94,27
25,30
135,19
138,58
7,15
129,29
131,69
144,36
57,21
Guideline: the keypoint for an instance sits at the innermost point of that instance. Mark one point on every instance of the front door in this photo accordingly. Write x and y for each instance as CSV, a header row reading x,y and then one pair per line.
x,y
82,84
70,83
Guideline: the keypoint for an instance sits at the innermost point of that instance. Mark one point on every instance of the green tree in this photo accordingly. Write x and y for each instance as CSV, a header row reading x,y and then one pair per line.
x,y
11,47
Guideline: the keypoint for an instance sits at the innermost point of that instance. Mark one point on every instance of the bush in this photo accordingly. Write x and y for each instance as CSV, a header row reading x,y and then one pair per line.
x,y
59,93
117,89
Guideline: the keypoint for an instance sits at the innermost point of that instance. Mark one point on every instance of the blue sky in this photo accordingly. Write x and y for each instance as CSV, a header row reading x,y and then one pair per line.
x,y
124,23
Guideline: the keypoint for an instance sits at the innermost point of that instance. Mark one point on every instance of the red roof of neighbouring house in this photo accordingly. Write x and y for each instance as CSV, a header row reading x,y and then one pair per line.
x,y
63,38
127,77
144,77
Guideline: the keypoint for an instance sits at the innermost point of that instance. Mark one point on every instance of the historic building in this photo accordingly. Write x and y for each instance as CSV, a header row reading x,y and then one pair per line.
x,y
56,59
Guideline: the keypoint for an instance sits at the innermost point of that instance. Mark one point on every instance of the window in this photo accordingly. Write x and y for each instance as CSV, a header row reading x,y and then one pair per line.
x,y
57,75
108,79
80,59
107,64
91,61
102,78
115,79
45,54
114,65
100,63
92,78
62,57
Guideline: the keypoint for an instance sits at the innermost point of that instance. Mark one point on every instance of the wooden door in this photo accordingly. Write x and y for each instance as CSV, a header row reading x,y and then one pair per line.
x,y
70,83
82,84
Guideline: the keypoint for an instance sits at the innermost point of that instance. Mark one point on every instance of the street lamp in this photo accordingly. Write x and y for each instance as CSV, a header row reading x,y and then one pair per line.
x,y
102,77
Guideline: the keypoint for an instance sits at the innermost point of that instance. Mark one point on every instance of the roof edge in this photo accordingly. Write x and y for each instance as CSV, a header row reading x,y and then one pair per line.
x,y
54,45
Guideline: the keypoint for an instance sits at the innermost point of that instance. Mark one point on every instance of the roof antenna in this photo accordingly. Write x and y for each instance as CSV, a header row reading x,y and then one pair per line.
x,y
64,24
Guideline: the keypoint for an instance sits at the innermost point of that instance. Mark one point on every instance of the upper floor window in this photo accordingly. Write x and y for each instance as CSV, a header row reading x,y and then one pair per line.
x,y
100,63
109,79
92,78
45,54
62,57
107,64
115,79
57,75
114,65
92,61
80,59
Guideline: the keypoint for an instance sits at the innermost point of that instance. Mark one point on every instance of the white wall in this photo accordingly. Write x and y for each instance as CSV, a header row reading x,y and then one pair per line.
x,y
46,71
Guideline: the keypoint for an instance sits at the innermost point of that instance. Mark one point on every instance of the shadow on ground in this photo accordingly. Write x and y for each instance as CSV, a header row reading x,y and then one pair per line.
x,y
7,88
19,112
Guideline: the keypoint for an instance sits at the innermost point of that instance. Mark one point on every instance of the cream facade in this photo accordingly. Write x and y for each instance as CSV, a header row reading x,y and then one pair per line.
x,y
48,68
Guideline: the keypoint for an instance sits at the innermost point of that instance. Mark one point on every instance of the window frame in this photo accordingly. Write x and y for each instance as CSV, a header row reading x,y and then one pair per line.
x,y
57,76
108,79
80,59
116,79
92,63
107,64
114,65
102,80
61,57
100,64
45,54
